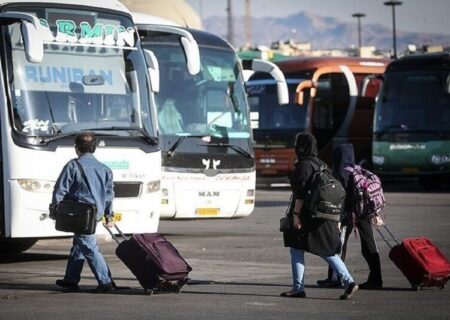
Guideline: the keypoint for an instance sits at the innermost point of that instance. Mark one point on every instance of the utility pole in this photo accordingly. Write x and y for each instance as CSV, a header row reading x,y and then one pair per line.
x,y
230,35
248,24
394,36
359,15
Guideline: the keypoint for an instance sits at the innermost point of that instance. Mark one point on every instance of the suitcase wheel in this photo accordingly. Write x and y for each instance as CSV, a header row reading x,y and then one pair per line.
x,y
416,287
442,287
148,292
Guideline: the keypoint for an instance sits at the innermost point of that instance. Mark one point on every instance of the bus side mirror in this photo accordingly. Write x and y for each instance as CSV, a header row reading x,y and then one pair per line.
x,y
153,69
299,91
188,43
33,43
192,53
32,40
258,65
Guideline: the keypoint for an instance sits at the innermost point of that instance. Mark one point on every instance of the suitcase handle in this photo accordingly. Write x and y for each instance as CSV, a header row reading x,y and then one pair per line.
x,y
116,238
388,242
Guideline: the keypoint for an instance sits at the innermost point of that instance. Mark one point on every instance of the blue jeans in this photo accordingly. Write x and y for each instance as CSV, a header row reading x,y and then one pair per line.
x,y
85,247
298,269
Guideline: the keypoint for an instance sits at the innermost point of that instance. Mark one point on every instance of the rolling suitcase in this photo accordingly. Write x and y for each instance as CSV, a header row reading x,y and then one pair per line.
x,y
154,261
422,263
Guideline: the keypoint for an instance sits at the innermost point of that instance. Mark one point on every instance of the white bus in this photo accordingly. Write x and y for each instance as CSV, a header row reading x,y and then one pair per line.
x,y
69,66
208,163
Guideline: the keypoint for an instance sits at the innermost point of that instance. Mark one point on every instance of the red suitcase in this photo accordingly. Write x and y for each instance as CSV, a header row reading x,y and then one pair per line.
x,y
422,263
154,261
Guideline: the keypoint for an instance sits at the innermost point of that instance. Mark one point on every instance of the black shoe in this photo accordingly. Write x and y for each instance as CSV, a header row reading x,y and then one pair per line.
x,y
63,283
293,294
349,291
371,285
104,288
327,283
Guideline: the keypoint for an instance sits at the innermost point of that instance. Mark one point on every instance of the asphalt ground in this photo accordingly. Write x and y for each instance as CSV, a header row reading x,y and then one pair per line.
x,y
239,269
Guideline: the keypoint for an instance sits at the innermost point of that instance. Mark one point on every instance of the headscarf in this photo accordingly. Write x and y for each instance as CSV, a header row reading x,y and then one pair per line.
x,y
305,145
343,156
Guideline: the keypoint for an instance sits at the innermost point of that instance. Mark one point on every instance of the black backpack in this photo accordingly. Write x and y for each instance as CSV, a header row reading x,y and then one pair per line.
x,y
325,195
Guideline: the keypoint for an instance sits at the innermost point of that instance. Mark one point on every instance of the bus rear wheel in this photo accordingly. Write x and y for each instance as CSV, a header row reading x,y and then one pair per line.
x,y
16,245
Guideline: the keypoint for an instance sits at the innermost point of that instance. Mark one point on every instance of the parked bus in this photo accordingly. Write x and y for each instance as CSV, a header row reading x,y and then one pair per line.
x,y
332,98
206,141
411,135
66,67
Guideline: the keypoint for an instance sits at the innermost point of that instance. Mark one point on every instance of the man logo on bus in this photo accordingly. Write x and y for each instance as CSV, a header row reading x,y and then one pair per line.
x,y
207,163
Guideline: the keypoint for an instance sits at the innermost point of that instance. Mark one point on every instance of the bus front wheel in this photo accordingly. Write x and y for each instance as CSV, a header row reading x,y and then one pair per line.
x,y
16,245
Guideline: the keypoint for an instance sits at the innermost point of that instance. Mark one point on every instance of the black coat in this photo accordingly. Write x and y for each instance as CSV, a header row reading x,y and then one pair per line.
x,y
320,237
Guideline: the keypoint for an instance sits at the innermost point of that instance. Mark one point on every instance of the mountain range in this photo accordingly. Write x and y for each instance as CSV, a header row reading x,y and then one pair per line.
x,y
321,31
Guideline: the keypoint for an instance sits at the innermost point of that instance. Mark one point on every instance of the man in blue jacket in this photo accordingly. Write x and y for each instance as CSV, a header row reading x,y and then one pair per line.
x,y
70,185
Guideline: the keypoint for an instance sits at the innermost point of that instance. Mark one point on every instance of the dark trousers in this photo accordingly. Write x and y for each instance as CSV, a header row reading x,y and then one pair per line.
x,y
369,249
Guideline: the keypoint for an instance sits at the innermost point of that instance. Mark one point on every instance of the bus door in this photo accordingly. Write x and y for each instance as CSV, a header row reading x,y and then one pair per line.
x,y
360,129
329,107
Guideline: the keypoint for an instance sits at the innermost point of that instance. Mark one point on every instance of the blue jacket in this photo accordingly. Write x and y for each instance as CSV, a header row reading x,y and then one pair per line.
x,y
70,184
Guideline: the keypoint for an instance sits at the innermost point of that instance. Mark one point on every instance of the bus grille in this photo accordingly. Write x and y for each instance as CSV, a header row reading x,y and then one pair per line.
x,y
127,189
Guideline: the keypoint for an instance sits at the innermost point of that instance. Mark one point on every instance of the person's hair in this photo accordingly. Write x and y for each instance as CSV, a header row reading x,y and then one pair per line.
x,y
86,142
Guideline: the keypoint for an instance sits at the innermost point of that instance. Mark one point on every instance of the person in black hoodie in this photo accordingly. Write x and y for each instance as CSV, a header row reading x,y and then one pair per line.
x,y
319,237
343,157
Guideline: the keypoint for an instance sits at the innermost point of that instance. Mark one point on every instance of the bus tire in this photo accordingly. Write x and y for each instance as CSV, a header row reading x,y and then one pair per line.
x,y
16,245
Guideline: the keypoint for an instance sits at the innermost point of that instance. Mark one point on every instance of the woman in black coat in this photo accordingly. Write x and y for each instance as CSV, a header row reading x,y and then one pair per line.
x,y
319,237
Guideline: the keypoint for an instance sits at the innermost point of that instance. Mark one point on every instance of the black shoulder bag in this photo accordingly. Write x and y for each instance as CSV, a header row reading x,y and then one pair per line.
x,y
76,216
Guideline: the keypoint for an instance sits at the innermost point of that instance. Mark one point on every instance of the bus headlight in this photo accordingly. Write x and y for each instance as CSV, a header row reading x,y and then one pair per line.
x,y
378,159
33,185
440,159
153,186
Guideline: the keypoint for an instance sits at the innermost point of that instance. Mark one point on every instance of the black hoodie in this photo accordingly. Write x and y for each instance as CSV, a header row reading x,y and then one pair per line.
x,y
344,156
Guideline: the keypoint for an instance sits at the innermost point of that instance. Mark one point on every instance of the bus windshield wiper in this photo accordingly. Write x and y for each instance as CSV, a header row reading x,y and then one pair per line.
x,y
177,143
236,148
403,127
143,132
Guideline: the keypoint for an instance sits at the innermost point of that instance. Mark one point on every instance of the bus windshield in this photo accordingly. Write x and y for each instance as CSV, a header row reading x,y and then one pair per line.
x,y
413,102
266,114
90,78
211,103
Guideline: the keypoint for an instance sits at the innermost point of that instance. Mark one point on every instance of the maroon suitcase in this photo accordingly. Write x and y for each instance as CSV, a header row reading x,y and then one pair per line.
x,y
154,261
422,263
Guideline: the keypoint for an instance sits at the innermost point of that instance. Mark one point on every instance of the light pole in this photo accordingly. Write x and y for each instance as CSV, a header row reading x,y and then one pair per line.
x,y
359,15
393,4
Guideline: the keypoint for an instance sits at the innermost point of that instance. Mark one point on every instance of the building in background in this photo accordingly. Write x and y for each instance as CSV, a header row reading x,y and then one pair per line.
x,y
177,11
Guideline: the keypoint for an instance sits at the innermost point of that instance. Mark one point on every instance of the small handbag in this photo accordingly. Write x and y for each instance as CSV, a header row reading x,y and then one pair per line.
x,y
287,222
76,216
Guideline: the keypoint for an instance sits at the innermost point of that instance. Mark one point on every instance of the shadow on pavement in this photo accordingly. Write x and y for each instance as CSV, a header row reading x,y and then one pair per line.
x,y
26,257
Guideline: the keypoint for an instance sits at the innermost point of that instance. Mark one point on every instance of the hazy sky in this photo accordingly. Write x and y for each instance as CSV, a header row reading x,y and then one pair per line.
x,y
430,16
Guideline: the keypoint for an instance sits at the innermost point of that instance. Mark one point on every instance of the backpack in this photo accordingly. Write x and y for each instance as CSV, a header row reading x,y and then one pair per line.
x,y
368,197
325,196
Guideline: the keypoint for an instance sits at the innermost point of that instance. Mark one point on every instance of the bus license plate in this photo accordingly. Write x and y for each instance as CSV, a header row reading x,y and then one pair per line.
x,y
410,169
117,217
207,211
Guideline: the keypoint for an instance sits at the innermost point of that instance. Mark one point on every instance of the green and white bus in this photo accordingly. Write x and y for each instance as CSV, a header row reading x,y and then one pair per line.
x,y
69,66
412,120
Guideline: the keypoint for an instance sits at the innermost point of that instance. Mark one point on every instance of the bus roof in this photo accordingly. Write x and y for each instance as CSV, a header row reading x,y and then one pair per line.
x,y
105,4
298,64
427,61
144,18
